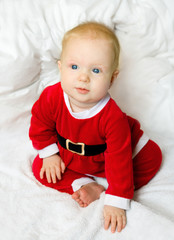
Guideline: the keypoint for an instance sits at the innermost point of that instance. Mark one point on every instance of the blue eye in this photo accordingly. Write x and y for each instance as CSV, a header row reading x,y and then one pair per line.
x,y
74,66
95,70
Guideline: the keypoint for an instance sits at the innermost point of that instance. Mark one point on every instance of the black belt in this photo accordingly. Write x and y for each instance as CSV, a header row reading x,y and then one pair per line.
x,y
81,148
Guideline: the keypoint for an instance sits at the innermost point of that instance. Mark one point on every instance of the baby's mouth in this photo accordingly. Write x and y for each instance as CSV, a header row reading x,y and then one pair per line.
x,y
82,90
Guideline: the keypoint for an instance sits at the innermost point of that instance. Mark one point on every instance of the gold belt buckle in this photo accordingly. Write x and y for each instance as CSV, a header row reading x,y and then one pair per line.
x,y
79,144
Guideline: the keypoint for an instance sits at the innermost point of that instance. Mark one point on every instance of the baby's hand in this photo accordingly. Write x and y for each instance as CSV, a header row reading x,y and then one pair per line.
x,y
53,167
114,216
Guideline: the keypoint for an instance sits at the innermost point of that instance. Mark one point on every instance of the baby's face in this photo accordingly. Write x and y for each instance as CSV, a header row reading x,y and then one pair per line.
x,y
86,70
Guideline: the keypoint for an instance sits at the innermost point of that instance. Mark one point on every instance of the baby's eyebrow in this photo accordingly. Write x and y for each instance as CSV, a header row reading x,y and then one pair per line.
x,y
99,66
72,61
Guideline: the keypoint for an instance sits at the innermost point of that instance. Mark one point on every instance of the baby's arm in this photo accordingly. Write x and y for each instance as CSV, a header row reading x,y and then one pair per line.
x,y
53,166
116,217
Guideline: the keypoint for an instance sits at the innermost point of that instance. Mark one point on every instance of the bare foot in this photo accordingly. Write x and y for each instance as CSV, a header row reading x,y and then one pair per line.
x,y
88,193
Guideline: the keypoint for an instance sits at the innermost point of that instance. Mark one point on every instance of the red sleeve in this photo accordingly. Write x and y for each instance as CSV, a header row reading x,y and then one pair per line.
x,y
118,156
136,131
42,130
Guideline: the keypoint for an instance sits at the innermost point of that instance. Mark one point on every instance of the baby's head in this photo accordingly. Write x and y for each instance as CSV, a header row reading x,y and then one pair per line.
x,y
88,64
94,30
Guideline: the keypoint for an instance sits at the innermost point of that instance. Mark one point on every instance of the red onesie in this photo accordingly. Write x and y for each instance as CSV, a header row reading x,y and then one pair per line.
x,y
51,115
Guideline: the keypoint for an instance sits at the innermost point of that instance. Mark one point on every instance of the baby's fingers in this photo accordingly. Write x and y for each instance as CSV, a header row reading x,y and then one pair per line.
x,y
42,172
124,221
58,173
53,175
107,222
121,223
62,166
114,224
48,175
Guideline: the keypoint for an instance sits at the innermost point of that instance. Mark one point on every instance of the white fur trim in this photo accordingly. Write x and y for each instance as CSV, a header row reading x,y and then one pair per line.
x,y
90,112
115,201
141,143
78,183
48,151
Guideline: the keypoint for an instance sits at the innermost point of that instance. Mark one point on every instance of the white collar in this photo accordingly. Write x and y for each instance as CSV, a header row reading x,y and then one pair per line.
x,y
90,112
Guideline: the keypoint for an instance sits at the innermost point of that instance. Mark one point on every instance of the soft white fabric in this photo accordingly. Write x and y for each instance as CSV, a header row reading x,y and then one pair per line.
x,y
30,45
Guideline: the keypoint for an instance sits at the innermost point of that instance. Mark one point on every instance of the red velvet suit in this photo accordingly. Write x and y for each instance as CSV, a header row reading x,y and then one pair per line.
x,y
121,134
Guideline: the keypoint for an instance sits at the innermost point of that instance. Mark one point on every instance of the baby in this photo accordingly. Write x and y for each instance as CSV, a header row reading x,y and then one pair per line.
x,y
80,132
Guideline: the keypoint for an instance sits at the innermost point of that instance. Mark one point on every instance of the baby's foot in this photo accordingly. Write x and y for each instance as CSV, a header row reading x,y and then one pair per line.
x,y
88,193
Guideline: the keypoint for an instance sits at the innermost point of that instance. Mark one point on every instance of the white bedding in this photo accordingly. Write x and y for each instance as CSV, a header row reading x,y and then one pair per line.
x,y
30,44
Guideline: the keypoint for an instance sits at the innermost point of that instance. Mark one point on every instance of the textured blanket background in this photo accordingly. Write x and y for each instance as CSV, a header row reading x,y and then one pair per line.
x,y
30,45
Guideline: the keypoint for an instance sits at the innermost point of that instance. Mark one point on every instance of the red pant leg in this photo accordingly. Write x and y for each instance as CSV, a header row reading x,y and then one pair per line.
x,y
64,185
146,164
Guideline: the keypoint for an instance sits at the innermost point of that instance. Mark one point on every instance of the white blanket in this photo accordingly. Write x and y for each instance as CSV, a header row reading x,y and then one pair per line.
x,y
30,45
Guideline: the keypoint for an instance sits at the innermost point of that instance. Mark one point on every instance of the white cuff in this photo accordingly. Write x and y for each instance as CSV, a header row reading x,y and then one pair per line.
x,y
141,143
78,183
48,151
115,201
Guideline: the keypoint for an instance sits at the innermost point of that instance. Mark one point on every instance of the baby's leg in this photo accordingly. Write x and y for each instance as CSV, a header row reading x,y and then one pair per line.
x,y
88,193
64,185
146,164
85,193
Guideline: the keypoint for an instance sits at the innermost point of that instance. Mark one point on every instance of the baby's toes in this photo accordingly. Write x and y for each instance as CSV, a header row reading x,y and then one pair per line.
x,y
75,196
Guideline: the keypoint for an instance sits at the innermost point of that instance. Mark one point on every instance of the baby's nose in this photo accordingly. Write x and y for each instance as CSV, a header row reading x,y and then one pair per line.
x,y
84,77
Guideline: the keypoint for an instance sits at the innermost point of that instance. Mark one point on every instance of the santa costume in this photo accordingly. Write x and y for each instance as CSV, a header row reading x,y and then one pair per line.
x,y
100,142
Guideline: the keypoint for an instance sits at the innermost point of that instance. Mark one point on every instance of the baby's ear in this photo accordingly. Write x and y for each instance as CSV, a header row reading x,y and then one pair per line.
x,y
114,75
59,65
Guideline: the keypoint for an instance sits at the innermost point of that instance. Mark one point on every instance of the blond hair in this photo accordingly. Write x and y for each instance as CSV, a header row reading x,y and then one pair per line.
x,y
95,30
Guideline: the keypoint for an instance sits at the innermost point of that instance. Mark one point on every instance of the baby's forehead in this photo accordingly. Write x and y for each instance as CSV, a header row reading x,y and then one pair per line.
x,y
85,45
80,38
